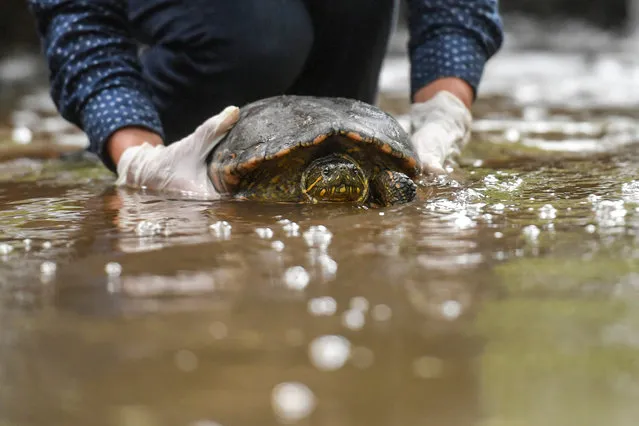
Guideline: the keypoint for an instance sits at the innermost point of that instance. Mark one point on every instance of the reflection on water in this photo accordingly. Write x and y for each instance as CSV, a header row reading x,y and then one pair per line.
x,y
507,295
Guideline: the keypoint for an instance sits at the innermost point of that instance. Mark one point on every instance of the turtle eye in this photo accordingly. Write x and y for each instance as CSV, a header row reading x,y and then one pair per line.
x,y
325,172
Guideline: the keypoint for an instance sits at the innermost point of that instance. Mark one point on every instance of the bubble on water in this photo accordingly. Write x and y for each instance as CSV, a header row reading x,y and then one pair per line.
x,y
113,269
322,306
381,213
318,236
531,232
5,248
499,207
630,191
218,330
353,319
359,303
610,213
292,401
451,309
327,265
462,221
47,245
499,234
221,229
362,357
22,135
593,198
186,361
428,367
512,135
296,278
478,163
148,228
47,271
277,245
291,229
329,353
27,244
381,312
48,268
590,228
265,233
547,211
491,180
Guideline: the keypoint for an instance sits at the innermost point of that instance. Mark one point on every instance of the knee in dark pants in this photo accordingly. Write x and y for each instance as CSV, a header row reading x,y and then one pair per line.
x,y
255,51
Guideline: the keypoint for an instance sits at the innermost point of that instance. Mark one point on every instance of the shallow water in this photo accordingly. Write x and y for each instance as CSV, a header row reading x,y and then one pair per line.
x,y
505,296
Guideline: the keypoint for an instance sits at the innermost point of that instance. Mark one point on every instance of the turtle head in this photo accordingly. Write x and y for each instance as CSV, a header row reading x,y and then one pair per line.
x,y
335,177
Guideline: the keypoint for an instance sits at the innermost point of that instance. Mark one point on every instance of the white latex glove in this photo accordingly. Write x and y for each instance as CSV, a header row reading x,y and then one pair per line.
x,y
440,128
181,166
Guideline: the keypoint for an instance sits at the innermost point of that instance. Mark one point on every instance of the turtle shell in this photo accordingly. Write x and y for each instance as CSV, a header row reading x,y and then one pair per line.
x,y
273,127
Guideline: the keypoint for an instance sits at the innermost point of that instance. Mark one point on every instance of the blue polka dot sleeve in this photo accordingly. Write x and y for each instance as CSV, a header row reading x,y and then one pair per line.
x,y
95,77
452,38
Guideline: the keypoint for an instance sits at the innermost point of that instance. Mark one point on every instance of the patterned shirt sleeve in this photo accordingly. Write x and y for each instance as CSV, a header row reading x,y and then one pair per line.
x,y
452,38
94,70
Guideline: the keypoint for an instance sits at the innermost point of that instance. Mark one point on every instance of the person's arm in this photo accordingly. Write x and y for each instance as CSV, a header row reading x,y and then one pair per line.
x,y
95,75
450,43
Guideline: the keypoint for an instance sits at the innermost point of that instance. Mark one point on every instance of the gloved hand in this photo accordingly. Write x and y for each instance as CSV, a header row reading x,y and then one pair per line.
x,y
440,128
179,167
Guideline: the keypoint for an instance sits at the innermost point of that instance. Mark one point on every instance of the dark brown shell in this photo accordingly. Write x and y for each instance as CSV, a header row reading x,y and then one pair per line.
x,y
271,128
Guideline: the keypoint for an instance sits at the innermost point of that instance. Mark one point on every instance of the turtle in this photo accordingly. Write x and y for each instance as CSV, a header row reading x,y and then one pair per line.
x,y
310,149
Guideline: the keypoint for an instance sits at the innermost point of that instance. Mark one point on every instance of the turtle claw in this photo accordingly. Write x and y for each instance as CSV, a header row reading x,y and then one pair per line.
x,y
393,187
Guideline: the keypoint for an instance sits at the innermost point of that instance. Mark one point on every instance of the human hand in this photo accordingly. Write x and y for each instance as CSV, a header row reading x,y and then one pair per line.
x,y
179,167
440,128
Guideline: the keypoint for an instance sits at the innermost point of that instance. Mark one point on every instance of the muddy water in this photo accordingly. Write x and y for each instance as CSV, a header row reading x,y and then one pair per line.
x,y
505,296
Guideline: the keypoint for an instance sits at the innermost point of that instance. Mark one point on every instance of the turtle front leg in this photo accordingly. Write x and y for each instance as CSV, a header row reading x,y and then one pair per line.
x,y
391,187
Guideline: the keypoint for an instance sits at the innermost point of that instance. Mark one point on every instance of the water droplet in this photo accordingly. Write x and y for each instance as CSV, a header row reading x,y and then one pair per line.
x,y
5,248
186,361
277,245
451,309
499,235
531,232
329,353
381,312
359,303
46,245
290,228
22,135
318,237
296,278
499,207
265,233
322,306
48,268
590,228
221,229
148,228
218,330
547,211
353,319
512,135
27,244
381,213
292,401
113,269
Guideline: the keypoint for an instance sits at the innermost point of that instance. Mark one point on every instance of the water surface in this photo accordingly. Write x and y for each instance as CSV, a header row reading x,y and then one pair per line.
x,y
505,296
